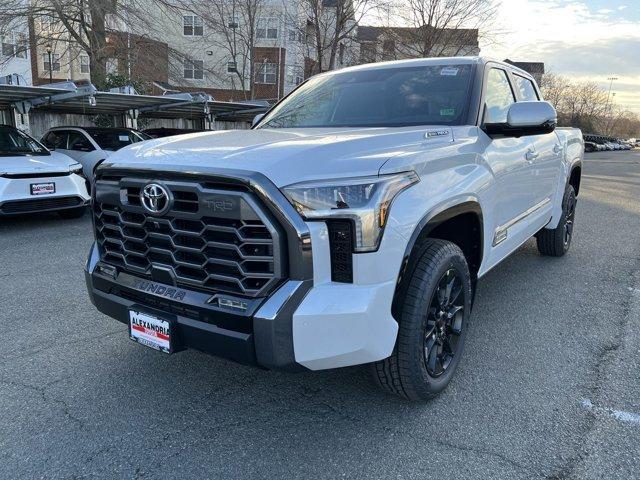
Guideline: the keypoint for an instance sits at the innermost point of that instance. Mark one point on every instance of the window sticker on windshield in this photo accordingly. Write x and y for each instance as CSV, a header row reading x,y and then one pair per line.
x,y
447,112
123,138
449,71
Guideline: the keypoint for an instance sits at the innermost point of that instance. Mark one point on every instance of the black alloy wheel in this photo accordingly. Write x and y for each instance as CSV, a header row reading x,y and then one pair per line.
x,y
569,219
434,309
444,323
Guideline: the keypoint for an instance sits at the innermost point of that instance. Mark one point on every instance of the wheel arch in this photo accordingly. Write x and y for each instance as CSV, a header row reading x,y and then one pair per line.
x,y
446,223
575,175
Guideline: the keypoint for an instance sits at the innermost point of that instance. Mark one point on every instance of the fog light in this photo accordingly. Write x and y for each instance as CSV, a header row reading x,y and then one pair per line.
x,y
107,270
233,303
341,249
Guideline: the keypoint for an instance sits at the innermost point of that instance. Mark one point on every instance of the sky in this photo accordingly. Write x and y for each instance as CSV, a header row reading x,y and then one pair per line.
x,y
581,39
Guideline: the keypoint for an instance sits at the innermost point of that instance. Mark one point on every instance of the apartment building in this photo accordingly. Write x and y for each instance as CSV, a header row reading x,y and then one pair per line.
x,y
58,57
15,55
218,51
398,43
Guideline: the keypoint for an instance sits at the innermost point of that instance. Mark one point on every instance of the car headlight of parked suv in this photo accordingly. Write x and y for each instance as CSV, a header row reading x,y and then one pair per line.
x,y
76,168
365,201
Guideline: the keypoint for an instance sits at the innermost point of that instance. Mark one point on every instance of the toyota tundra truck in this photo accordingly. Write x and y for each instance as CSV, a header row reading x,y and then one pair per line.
x,y
349,226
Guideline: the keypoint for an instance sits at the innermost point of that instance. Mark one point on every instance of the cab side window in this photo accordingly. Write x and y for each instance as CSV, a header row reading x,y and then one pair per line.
x,y
527,90
498,98
57,139
77,141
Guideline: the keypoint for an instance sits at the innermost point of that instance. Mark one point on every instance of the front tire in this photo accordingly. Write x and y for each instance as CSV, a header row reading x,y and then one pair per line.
x,y
556,242
436,306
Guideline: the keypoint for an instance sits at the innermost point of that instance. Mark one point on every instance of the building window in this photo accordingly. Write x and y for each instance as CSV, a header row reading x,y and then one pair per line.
x,y
233,22
295,35
367,52
267,28
232,67
266,73
192,26
84,63
8,47
112,65
294,75
194,69
15,45
55,59
48,22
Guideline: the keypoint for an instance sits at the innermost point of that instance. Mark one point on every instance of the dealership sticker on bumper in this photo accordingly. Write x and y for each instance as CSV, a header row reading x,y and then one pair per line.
x,y
43,188
150,331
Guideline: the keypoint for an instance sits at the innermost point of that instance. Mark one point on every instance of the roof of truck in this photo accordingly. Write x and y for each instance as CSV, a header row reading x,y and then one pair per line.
x,y
417,62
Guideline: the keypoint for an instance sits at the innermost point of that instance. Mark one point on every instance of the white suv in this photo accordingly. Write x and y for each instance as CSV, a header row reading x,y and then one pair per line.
x,y
90,145
349,226
33,179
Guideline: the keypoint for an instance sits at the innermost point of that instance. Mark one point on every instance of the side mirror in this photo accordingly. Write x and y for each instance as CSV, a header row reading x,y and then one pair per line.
x,y
526,118
256,119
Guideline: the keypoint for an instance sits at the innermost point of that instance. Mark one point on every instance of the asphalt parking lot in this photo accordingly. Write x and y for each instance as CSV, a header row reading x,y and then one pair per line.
x,y
549,385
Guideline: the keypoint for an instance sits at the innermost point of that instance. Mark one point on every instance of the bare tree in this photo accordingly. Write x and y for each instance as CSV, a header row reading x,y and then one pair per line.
x,y
326,27
233,24
623,124
434,28
72,27
588,106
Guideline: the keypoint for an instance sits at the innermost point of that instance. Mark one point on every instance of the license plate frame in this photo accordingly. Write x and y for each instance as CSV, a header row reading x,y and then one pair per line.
x,y
43,188
151,331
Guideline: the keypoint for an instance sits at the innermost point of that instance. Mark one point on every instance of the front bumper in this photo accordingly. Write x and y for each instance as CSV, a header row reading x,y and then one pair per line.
x,y
15,194
259,336
309,324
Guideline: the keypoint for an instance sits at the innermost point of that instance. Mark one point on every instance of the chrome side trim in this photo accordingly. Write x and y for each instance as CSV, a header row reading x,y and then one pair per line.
x,y
274,304
502,231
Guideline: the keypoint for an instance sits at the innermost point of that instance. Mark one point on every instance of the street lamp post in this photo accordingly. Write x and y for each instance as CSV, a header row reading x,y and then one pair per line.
x,y
48,48
609,103
611,80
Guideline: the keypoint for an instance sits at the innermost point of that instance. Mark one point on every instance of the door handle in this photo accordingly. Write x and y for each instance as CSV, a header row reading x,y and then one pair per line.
x,y
530,156
558,149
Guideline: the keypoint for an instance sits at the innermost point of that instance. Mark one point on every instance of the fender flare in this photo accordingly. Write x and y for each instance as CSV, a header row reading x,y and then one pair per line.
x,y
562,187
436,216
572,167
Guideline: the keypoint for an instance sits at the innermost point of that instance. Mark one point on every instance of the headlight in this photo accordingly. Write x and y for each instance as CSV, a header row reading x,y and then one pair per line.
x,y
76,168
364,200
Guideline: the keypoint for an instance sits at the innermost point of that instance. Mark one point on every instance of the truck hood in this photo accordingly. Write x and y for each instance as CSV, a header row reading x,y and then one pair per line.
x,y
285,156
19,164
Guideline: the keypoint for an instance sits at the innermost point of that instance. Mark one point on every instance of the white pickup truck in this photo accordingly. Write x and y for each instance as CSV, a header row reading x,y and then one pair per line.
x,y
349,226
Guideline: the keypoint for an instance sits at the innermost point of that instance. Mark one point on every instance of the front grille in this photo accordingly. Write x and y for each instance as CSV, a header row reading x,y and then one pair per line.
x,y
36,175
211,240
39,205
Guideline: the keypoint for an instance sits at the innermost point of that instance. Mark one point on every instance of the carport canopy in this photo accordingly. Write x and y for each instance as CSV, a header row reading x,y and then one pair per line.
x,y
67,97
24,97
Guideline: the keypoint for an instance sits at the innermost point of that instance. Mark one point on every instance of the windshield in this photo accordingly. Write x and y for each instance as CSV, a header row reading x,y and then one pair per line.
x,y
387,97
115,139
15,142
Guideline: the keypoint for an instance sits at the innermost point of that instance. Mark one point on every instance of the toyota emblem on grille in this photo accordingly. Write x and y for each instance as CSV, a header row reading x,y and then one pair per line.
x,y
155,198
